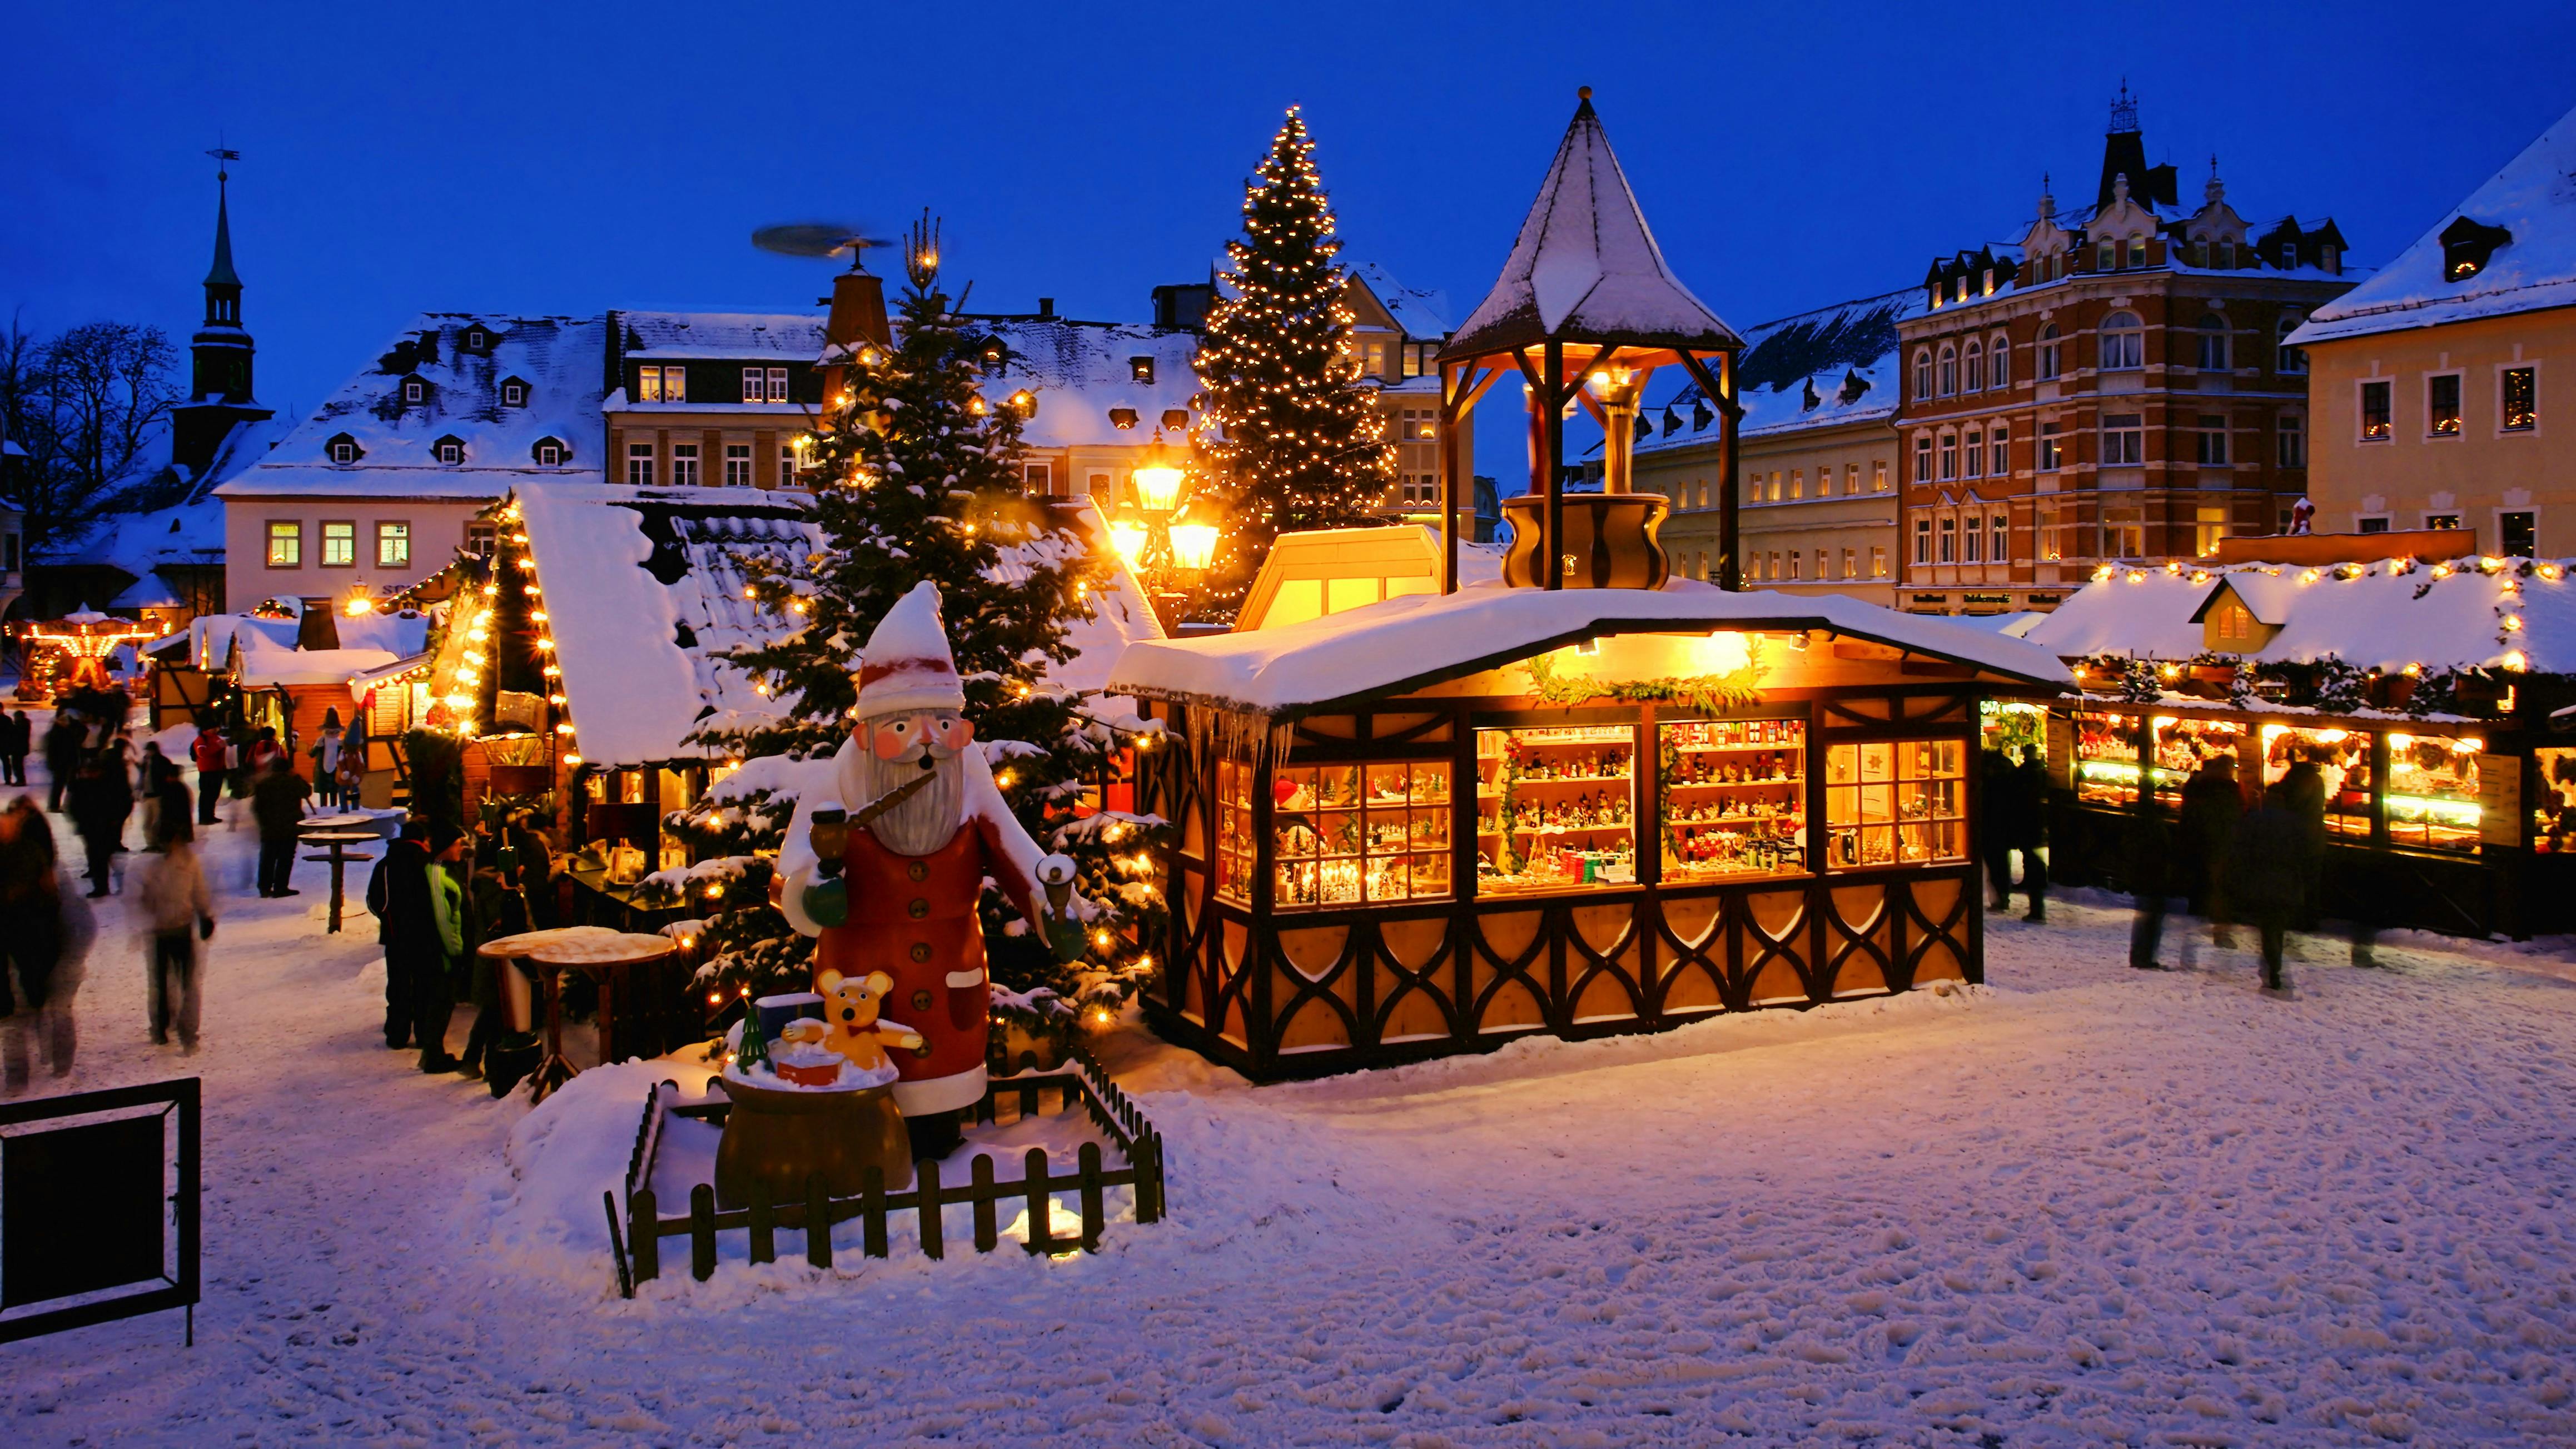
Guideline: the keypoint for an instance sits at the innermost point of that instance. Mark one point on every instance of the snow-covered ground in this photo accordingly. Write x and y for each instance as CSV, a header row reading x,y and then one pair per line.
x,y
2083,1205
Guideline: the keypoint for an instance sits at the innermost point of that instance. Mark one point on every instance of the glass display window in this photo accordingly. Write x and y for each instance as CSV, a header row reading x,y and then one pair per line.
x,y
2342,759
1556,808
1892,802
2183,745
2106,758
2553,806
2008,725
1353,834
1734,799
2433,792
1235,852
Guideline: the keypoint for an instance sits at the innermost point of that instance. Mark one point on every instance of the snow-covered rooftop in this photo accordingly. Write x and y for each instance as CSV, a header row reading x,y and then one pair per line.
x,y
788,336
1084,376
1835,364
2533,198
558,360
1423,316
2384,615
1586,266
1415,641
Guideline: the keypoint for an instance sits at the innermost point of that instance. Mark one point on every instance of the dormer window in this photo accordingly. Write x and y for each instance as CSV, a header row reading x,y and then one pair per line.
x,y
2289,256
449,450
550,452
514,393
2467,247
1140,369
2326,259
475,339
2227,256
415,390
1176,419
344,449
1122,418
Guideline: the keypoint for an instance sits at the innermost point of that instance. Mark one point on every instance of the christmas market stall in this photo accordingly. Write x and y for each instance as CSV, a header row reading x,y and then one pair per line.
x,y
2421,692
1435,824
83,650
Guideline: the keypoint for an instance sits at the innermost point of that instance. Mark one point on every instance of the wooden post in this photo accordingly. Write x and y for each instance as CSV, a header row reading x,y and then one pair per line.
x,y
644,1235
926,1187
764,1235
818,1222
1552,397
617,1246
1093,1214
1729,526
872,1213
987,1232
1028,1103
1453,381
702,1232
1041,1202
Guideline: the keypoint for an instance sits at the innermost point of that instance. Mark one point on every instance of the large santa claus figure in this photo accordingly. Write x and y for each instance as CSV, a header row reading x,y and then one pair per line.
x,y
905,882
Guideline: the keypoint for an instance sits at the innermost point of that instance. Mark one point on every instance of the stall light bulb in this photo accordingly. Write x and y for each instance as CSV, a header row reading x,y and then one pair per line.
x,y
572,759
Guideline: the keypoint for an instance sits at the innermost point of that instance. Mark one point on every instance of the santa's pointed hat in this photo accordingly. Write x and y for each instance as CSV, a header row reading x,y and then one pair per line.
x,y
906,665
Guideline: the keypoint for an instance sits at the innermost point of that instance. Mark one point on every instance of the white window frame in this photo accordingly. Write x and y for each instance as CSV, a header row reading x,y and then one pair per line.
x,y
1972,451
1947,369
1999,361
2289,435
1972,540
776,380
1949,552
414,390
327,538
1922,457
2502,368
340,446
1972,366
2206,338
1923,542
2131,354
514,394
292,536
755,386
2498,517
393,531
1999,451
2202,432
684,465
442,450
1999,538
1922,373
2361,387
639,465
2052,355
545,448
737,454
2136,434
2288,361
2459,405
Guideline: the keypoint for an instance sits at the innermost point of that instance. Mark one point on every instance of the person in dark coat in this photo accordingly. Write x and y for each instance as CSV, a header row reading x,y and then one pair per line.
x,y
2265,881
1996,784
31,914
398,897
2303,789
62,755
498,910
100,802
2030,829
17,737
2205,839
2147,852
277,803
532,867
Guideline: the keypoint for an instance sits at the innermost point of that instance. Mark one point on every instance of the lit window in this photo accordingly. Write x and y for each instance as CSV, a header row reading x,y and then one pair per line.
x,y
639,465
2520,391
1140,369
2105,258
2293,437
2052,447
737,461
1895,802
755,387
2441,520
2210,444
1878,475
684,465
2123,342
393,545
675,384
2442,405
285,545
2377,421
1793,565
1851,563
339,545
777,384
648,384
1797,482
2048,353
2124,440
1998,531
1877,562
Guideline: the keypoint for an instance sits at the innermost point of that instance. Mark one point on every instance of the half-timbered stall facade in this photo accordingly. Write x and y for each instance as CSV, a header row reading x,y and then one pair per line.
x,y
1437,823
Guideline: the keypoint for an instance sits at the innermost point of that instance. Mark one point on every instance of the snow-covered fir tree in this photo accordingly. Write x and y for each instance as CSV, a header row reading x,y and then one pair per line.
x,y
917,476
1301,445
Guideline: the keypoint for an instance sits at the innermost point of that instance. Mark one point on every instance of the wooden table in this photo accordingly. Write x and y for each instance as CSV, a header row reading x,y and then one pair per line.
x,y
336,822
594,951
339,842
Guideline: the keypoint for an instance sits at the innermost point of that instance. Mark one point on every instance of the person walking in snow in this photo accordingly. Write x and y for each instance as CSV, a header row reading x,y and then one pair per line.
x,y
210,752
100,804
177,911
62,755
277,803
2265,881
2029,820
435,987
2303,788
498,911
398,897
2211,806
1995,787
34,997
17,737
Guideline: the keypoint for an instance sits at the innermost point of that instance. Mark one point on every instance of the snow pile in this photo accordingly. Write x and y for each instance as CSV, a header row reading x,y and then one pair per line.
x,y
571,1148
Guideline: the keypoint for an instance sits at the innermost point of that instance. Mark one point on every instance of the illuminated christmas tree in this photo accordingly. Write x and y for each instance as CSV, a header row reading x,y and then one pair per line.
x,y
918,476
1302,443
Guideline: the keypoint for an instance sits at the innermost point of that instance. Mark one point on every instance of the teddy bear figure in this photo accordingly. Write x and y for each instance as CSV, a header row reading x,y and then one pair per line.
x,y
850,1026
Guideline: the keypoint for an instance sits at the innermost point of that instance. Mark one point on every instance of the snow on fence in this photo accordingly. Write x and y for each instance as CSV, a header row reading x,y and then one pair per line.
x,y
1079,1083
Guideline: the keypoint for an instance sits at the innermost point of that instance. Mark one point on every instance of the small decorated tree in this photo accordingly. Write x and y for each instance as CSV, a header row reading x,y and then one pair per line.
x,y
917,477
1301,445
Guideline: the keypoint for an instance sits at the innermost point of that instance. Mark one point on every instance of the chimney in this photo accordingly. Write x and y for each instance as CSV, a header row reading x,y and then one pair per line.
x,y
1046,306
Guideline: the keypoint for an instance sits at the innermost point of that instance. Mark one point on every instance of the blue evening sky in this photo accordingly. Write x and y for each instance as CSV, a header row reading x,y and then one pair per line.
x,y
563,158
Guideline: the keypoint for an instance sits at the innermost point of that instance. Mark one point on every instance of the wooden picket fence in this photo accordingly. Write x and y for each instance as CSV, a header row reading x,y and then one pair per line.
x,y
636,1240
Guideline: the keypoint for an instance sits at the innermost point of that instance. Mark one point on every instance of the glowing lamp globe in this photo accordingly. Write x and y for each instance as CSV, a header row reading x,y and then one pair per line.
x,y
1158,479
1128,537
1193,545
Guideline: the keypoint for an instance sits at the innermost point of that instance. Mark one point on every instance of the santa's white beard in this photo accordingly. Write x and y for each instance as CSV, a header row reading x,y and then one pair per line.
x,y
923,823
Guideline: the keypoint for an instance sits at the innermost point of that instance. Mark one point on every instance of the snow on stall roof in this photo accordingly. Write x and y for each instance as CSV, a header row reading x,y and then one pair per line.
x,y
2534,198
264,664
560,360
1080,372
1586,265
786,336
2388,616
1419,639
1423,316
639,654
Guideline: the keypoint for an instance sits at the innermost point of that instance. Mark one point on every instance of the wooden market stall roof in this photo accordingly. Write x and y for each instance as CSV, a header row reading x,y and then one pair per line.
x,y
2492,613
1420,640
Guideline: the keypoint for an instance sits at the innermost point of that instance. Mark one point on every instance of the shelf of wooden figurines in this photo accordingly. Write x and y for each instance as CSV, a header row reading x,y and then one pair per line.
x,y
1734,794
1555,808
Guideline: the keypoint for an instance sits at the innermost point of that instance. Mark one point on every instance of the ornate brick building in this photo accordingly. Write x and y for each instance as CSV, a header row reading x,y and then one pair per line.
x,y
2116,385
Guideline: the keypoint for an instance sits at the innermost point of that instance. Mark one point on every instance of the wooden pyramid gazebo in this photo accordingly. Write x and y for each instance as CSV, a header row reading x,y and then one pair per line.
x,y
1586,308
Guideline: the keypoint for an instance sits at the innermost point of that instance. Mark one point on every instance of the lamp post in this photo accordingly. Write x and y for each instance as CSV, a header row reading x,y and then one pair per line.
x,y
1169,556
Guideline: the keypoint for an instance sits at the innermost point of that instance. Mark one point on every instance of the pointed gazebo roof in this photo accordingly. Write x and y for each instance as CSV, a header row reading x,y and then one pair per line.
x,y
1586,266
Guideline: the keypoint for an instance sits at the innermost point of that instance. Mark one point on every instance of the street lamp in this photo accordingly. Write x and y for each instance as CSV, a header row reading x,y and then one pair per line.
x,y
1193,546
1158,479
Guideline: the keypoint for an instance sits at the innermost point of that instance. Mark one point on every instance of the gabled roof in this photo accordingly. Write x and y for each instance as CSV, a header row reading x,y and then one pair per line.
x,y
560,358
782,336
1423,316
1847,353
2533,198
1585,266
1080,372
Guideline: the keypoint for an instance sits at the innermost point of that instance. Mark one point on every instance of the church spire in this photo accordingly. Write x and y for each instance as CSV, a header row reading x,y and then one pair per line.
x,y
223,284
220,396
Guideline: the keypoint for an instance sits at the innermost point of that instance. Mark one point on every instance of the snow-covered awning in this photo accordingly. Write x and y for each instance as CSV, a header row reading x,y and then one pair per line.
x,y
366,679
264,665
1411,643
2387,615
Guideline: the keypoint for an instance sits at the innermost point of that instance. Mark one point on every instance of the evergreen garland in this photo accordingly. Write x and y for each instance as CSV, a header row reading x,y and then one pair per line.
x,y
2339,686
1302,445
1709,693
916,476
